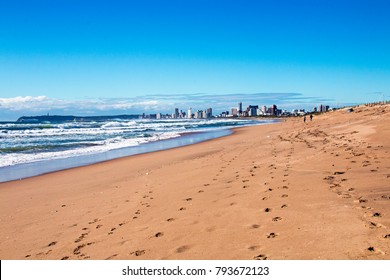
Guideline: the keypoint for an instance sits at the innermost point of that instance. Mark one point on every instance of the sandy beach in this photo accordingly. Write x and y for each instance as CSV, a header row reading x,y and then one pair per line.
x,y
291,190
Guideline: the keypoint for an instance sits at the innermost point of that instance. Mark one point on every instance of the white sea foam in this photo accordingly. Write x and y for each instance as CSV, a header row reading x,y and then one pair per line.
x,y
96,147
72,139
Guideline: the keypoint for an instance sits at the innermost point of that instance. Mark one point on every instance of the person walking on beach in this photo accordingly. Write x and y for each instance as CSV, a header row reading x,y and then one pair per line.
x,y
311,117
304,119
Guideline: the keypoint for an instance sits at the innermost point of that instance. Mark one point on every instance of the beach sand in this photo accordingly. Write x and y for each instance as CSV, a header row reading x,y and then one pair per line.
x,y
291,190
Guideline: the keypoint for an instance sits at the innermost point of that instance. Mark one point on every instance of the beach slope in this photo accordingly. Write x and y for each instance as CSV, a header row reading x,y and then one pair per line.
x,y
291,190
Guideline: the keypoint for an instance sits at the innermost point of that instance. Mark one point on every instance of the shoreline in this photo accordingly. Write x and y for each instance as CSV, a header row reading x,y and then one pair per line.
x,y
283,191
41,167
33,169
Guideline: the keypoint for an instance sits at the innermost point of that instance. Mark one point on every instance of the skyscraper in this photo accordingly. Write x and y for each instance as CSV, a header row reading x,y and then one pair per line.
x,y
176,113
209,113
189,116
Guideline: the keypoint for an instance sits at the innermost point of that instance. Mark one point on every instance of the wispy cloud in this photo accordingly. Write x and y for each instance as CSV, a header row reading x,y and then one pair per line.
x,y
29,105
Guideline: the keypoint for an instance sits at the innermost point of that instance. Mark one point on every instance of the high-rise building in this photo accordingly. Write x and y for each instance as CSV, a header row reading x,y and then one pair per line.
x,y
176,113
189,115
274,110
198,114
252,110
323,108
209,113
240,108
234,112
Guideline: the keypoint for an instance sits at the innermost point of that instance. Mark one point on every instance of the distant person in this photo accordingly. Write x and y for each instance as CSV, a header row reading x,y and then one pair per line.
x,y
311,117
304,119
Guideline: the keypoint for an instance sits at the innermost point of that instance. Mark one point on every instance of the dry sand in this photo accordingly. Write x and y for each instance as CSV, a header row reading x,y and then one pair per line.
x,y
319,190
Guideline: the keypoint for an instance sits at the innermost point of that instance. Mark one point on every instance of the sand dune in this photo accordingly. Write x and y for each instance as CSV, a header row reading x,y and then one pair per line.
x,y
291,190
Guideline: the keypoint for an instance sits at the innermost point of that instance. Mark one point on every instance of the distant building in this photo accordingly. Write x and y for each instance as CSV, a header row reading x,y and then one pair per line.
x,y
323,108
189,115
224,114
240,108
198,114
209,113
176,116
274,111
252,110
234,112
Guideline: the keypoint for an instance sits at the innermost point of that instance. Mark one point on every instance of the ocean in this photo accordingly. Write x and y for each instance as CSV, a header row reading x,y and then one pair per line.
x,y
29,149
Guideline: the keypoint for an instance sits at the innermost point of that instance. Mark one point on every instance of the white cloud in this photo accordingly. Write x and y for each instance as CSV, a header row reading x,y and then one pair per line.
x,y
43,104
22,102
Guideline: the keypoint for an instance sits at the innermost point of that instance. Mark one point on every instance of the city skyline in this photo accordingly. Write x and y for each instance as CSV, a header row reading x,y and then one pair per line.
x,y
250,111
114,57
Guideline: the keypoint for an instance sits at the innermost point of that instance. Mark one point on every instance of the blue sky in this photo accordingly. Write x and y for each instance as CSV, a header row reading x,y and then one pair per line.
x,y
105,57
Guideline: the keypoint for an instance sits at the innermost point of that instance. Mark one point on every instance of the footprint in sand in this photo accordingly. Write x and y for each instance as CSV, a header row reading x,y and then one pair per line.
x,y
111,257
170,220
77,251
254,226
138,253
182,249
81,237
94,221
267,209
272,235
260,257
275,219
284,206
52,243
375,225
376,214
159,234
182,209
284,195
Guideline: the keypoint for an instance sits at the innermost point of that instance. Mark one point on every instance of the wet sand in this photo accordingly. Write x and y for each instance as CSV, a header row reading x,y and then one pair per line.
x,y
319,190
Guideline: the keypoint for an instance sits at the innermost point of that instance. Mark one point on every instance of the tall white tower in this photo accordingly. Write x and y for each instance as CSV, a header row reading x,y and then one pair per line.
x,y
189,116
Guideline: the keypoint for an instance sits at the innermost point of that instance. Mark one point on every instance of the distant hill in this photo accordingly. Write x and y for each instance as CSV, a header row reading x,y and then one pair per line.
x,y
59,119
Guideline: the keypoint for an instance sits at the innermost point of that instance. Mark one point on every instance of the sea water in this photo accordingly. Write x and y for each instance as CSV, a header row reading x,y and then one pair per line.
x,y
29,149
